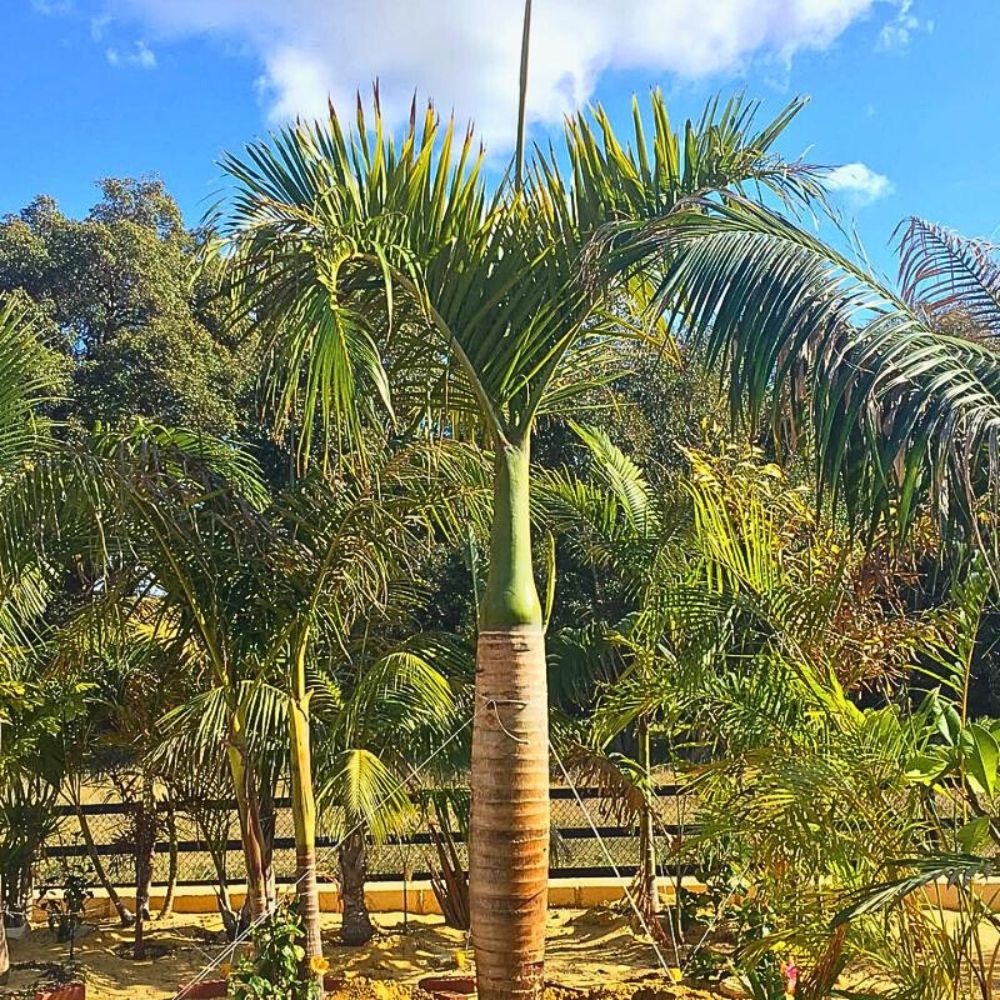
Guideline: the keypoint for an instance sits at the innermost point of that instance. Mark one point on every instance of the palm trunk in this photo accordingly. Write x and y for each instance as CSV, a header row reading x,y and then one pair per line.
x,y
304,818
509,849
172,864
356,927
124,917
251,830
648,890
145,843
4,953
230,918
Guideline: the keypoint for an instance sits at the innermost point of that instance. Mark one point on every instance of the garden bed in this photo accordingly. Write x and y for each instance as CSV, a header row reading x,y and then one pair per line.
x,y
590,956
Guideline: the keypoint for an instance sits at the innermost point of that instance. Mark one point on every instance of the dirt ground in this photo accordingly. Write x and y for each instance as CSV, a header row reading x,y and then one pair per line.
x,y
589,953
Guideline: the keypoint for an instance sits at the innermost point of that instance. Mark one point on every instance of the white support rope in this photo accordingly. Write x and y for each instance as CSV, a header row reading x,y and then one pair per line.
x,y
240,938
610,859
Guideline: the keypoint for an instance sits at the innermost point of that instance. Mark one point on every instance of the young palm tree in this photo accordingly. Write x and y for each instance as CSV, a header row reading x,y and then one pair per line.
x,y
629,534
349,545
28,377
383,275
380,712
115,510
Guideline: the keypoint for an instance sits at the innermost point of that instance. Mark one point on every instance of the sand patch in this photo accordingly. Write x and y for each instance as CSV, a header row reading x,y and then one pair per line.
x,y
590,957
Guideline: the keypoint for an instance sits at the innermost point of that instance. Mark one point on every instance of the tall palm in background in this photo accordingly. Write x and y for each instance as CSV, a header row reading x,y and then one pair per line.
x,y
385,279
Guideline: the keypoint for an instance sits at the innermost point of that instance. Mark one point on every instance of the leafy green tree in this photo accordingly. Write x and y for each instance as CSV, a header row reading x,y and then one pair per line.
x,y
125,293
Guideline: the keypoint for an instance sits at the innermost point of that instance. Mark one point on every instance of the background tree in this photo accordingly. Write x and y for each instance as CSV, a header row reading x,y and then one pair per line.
x,y
126,294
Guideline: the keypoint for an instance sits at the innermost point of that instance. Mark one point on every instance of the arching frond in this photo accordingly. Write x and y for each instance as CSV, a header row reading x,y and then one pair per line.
x,y
646,176
898,411
368,793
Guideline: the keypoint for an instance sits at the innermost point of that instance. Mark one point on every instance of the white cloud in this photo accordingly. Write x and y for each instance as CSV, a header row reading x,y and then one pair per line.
x,y
900,30
859,183
464,53
141,56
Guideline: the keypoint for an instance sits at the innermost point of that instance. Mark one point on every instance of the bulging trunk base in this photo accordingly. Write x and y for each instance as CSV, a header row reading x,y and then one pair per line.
x,y
509,849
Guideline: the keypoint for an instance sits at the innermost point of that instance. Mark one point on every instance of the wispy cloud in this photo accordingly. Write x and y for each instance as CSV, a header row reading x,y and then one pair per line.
x,y
140,56
52,6
898,33
859,183
464,53
99,26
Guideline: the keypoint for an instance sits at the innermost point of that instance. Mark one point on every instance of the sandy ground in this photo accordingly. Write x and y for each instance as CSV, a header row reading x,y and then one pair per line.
x,y
591,951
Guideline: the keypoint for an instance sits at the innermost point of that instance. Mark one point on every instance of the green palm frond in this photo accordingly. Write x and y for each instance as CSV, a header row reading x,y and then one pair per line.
x,y
368,792
924,871
355,252
645,177
28,378
622,477
898,412
402,686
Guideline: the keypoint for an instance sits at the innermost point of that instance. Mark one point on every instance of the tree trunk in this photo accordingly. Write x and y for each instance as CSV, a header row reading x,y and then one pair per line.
x,y
124,917
4,953
648,891
172,864
509,849
230,918
145,844
304,818
268,813
251,831
353,854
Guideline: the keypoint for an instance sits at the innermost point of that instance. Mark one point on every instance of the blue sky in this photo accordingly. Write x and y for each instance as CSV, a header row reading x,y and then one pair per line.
x,y
902,90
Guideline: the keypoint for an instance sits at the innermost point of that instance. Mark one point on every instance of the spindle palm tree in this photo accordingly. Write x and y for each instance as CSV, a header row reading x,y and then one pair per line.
x,y
386,279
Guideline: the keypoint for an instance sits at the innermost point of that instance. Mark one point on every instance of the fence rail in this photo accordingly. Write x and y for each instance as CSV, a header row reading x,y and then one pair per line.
x,y
575,848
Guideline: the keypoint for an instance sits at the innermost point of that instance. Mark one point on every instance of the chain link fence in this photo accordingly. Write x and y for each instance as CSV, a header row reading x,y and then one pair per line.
x,y
204,838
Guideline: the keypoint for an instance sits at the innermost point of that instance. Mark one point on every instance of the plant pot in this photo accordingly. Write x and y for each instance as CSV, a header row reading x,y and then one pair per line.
x,y
203,990
70,991
449,987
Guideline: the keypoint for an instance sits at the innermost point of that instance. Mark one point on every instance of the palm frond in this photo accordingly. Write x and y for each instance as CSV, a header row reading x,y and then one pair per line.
x,y
368,792
898,411
943,272
28,378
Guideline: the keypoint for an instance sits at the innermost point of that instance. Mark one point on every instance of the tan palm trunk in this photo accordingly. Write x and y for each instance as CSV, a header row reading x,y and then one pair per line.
x,y
509,847
648,888
251,831
304,818
509,851
4,953
356,925
124,917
